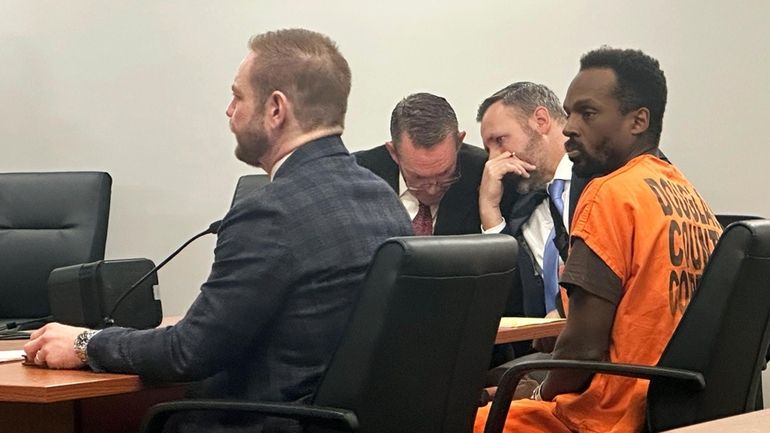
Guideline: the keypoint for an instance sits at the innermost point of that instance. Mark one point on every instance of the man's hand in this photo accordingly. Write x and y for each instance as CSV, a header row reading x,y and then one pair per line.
x,y
491,188
586,336
546,344
53,346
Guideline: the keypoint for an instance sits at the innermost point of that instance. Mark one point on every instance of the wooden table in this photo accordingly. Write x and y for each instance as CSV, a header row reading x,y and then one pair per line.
x,y
41,385
752,422
39,400
525,328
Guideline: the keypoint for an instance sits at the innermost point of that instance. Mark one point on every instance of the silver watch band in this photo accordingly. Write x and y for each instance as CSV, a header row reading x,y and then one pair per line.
x,y
81,344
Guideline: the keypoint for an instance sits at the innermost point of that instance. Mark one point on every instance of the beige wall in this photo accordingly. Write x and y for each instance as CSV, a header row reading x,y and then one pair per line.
x,y
139,89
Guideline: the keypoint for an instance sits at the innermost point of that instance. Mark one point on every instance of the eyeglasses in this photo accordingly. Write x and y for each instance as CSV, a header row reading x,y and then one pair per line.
x,y
439,184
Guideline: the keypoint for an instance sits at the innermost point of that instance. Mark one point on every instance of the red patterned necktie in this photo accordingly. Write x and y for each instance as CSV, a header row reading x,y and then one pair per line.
x,y
423,221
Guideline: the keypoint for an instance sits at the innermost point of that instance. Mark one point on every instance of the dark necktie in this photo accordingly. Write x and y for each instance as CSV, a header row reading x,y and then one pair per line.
x,y
423,221
551,252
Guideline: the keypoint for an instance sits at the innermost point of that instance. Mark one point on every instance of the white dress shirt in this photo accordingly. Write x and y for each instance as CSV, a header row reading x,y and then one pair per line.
x,y
410,202
278,165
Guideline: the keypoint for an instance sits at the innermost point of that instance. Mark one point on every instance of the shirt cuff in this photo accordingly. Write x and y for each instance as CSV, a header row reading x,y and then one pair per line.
x,y
496,229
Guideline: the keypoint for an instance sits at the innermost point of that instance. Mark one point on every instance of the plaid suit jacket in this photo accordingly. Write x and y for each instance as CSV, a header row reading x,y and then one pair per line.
x,y
289,262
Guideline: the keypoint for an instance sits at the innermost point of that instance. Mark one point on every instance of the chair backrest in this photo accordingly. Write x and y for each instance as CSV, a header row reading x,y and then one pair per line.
x,y
47,220
247,184
420,339
723,334
727,219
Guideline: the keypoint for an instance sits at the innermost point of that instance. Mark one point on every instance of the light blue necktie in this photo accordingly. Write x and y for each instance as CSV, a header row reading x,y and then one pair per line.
x,y
551,253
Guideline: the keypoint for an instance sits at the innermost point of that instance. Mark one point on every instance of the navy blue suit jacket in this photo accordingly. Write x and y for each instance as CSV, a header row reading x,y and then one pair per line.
x,y
529,301
289,263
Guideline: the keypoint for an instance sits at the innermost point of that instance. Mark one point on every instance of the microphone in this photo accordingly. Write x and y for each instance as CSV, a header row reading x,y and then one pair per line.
x,y
212,229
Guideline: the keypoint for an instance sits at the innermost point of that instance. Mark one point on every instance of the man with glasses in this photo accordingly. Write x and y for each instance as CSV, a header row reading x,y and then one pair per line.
x,y
426,162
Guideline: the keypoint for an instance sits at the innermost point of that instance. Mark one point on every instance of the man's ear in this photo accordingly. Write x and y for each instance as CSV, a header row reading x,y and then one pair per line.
x,y
542,120
460,137
276,109
392,151
640,120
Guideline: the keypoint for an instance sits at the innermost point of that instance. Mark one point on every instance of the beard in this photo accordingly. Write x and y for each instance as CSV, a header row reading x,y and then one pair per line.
x,y
587,165
252,145
585,168
536,181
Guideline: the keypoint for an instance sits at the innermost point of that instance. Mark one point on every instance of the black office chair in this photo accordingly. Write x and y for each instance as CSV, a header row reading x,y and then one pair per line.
x,y
727,219
711,366
417,345
47,220
248,183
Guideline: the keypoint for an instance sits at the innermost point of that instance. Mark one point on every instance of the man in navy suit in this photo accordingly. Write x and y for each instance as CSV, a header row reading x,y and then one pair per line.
x,y
521,126
436,175
289,261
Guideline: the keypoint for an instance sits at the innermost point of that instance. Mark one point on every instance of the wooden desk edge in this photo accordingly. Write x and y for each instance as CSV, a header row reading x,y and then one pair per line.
x,y
752,422
79,384
104,384
529,332
97,385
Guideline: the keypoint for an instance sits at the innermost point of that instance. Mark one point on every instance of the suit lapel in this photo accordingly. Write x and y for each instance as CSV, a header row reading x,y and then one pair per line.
x,y
523,209
454,210
450,216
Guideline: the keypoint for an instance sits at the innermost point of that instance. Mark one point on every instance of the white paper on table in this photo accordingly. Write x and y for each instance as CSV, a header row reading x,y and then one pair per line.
x,y
11,355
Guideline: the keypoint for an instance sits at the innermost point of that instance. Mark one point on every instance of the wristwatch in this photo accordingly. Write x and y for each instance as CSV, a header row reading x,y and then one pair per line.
x,y
81,344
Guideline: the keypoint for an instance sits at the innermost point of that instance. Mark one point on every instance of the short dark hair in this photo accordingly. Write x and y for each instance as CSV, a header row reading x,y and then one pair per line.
x,y
427,119
640,82
526,96
307,67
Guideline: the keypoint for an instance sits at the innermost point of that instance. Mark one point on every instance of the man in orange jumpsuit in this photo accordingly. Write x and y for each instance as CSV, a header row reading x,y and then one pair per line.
x,y
640,238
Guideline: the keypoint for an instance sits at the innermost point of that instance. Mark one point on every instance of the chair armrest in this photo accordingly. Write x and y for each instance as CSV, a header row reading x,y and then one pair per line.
x,y
511,378
487,394
338,419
